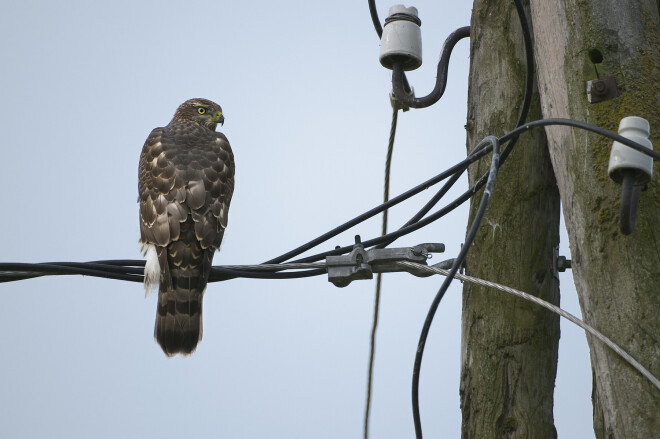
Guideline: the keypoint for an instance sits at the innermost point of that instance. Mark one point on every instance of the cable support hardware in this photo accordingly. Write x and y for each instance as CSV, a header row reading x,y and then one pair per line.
x,y
631,169
362,264
401,40
436,269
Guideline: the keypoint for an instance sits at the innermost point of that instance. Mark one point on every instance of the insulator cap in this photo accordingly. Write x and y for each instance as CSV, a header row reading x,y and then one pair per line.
x,y
625,159
401,41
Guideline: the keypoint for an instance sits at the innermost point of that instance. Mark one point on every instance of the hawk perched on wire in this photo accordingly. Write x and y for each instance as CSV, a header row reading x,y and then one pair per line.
x,y
185,184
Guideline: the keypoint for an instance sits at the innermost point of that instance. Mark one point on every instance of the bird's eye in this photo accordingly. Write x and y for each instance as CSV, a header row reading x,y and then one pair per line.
x,y
201,110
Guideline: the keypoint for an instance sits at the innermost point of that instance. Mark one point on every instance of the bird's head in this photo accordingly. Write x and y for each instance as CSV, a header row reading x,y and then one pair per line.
x,y
200,111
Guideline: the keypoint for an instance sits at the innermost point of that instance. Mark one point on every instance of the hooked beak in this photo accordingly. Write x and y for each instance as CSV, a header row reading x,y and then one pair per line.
x,y
218,118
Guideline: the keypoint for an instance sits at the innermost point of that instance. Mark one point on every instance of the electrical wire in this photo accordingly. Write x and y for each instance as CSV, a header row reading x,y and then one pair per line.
x,y
459,167
132,270
399,87
557,310
458,262
266,271
374,18
441,193
379,276
529,64
582,125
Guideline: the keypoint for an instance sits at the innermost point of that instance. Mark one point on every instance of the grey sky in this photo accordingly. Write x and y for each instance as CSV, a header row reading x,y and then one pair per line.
x,y
307,114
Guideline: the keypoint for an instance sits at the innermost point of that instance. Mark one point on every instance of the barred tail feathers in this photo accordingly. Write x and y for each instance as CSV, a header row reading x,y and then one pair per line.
x,y
179,318
185,270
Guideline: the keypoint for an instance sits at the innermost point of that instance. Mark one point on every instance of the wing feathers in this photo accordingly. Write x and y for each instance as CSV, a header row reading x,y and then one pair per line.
x,y
185,170
195,194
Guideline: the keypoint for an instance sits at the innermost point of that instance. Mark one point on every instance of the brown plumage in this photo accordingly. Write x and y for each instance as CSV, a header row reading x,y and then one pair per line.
x,y
185,185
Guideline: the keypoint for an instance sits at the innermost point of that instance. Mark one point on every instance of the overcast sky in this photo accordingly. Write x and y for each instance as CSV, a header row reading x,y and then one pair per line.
x,y
308,117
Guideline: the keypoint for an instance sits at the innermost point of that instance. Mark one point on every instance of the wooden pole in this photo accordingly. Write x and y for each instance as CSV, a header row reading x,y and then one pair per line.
x,y
617,277
509,346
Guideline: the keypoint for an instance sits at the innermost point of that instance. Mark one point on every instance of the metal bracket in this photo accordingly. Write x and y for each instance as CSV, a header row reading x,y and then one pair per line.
x,y
362,264
601,89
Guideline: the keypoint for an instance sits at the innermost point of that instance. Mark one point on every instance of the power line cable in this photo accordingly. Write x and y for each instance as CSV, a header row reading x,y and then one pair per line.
x,y
374,18
557,310
374,325
398,77
582,125
441,193
132,270
457,168
458,262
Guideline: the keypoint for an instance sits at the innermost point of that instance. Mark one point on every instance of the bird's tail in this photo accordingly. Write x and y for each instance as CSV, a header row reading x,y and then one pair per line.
x,y
179,320
179,314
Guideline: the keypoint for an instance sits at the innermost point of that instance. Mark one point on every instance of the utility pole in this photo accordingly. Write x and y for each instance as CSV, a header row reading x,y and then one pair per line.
x,y
617,276
509,346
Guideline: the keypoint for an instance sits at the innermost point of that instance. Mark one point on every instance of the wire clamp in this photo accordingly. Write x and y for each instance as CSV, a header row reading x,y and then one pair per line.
x,y
399,105
362,264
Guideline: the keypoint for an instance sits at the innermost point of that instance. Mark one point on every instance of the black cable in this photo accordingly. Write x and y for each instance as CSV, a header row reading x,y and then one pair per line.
x,y
374,18
125,262
219,274
477,151
492,174
582,125
400,232
529,63
459,167
524,110
398,86
413,224
66,268
629,202
117,270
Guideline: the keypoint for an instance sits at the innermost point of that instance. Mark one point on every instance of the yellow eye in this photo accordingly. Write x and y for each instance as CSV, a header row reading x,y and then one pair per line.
x,y
201,110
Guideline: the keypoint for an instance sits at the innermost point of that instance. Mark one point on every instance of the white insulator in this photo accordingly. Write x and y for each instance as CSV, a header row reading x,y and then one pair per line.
x,y
623,158
401,41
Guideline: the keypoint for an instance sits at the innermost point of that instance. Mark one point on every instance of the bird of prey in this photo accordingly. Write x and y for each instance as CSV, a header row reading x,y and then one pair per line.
x,y
185,185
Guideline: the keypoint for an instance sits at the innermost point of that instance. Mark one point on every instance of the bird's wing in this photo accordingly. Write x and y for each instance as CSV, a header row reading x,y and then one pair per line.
x,y
185,171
